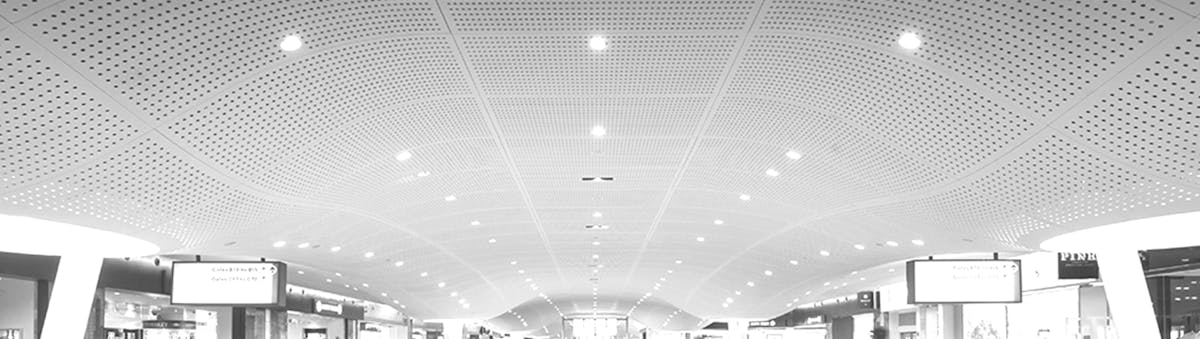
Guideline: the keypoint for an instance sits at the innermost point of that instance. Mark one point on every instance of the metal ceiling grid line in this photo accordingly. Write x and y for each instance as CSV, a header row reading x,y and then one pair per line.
x,y
1044,128
26,16
1077,141
695,140
493,124
1175,4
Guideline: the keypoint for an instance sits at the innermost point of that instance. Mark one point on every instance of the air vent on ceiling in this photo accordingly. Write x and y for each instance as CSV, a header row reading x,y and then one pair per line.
x,y
596,226
596,179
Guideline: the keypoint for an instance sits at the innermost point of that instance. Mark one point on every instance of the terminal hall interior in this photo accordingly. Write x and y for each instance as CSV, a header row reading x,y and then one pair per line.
x,y
599,169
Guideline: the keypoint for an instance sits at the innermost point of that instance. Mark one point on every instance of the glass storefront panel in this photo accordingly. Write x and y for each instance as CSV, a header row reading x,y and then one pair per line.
x,y
312,326
138,315
17,307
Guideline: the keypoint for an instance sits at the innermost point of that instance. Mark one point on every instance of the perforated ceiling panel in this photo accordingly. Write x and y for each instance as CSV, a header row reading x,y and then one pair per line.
x,y
718,159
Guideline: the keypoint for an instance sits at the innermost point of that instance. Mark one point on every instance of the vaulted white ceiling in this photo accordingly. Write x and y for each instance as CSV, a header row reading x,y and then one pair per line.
x,y
183,122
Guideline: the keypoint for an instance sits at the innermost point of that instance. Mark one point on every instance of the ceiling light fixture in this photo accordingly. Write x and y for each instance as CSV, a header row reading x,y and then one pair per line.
x,y
700,239
825,253
399,263
423,173
794,262
597,215
369,254
860,247
451,198
893,243
599,131
291,43
304,245
772,172
750,283
744,197
279,244
335,249
793,155
598,43
475,223
403,156
918,242
719,222
909,41
768,273
492,241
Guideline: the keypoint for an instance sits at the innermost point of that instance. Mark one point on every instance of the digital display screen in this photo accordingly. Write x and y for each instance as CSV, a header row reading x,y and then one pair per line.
x,y
229,283
964,281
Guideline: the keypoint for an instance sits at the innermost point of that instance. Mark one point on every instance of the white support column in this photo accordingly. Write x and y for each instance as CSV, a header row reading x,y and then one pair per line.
x,y
1127,294
71,297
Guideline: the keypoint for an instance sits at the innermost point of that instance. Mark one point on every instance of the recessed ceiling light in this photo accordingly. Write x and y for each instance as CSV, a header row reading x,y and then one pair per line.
x,y
328,280
337,274
424,274
403,156
918,242
750,283
793,155
729,300
595,243
677,262
826,283
794,262
423,173
825,253
475,223
365,285
599,131
700,239
441,284
768,273
369,254
514,262
403,306
909,40
744,197
772,172
737,292
451,198
598,43
595,256
492,241
719,222
860,247
291,43
597,215
893,243
300,272
399,263
335,249
304,245
116,293
520,271
279,244
891,270
453,294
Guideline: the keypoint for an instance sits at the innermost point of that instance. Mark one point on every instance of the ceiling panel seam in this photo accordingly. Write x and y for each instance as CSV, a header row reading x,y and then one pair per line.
x,y
693,146
985,168
1110,157
506,152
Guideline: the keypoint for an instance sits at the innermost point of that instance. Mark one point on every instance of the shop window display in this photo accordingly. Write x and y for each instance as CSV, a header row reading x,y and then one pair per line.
x,y
136,315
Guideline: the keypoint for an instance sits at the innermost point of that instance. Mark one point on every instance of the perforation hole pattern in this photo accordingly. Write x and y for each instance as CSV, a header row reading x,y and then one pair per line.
x,y
1055,183
1153,119
599,16
628,116
564,66
364,150
15,10
923,112
165,55
47,121
825,143
998,44
274,115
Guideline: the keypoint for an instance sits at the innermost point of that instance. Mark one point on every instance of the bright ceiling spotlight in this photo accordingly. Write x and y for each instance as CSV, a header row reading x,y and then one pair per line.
x,y
492,241
335,249
744,197
719,222
597,215
403,156
399,263
909,40
304,245
700,239
369,255
768,273
893,243
451,198
1139,234
918,242
599,131
825,253
291,43
598,43
772,172
277,244
475,223
793,155
750,283
860,247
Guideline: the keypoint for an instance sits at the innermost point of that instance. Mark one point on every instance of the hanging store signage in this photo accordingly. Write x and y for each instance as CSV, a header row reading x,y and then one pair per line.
x,y
325,307
1078,266
866,299
814,320
964,281
763,323
259,284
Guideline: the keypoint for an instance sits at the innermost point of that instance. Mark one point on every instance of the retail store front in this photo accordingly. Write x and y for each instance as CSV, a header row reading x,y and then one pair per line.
x,y
311,317
141,315
17,307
